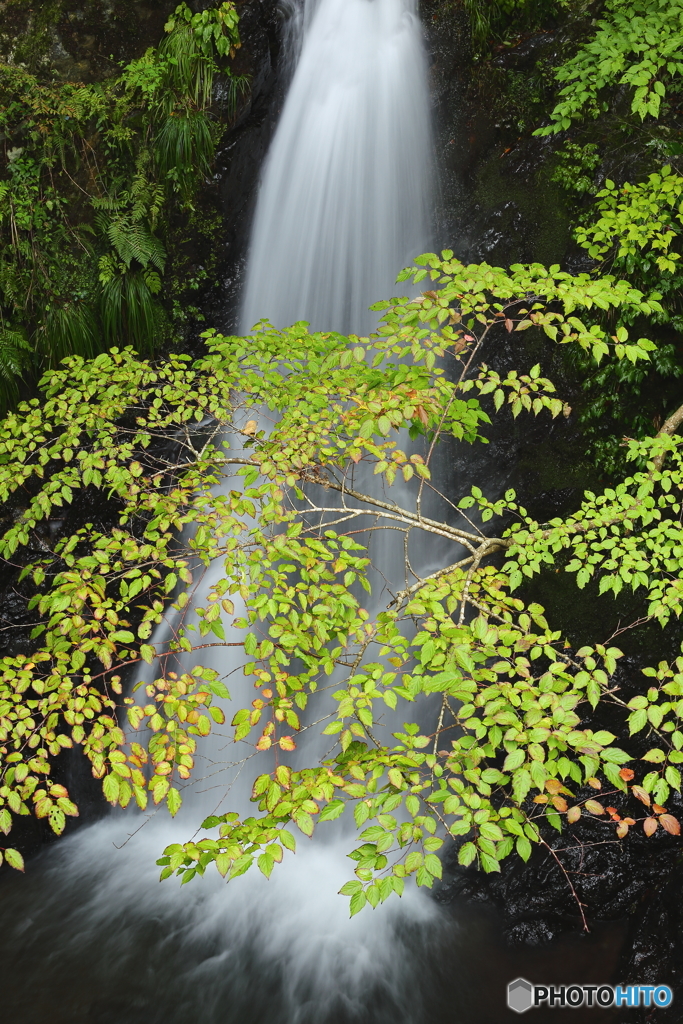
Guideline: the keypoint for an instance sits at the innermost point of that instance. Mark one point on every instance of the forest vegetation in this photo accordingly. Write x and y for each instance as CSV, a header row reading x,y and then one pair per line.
x,y
532,732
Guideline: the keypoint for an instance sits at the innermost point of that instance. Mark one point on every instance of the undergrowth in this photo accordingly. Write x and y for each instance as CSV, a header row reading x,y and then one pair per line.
x,y
96,176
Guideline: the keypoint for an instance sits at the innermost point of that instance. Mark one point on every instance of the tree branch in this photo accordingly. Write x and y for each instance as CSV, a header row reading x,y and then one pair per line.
x,y
668,428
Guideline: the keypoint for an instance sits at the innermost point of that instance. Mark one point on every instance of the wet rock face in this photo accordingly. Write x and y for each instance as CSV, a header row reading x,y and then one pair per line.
x,y
87,40
243,148
638,883
79,40
496,203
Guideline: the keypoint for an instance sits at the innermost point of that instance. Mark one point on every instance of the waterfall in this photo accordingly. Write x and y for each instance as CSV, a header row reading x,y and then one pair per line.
x,y
345,202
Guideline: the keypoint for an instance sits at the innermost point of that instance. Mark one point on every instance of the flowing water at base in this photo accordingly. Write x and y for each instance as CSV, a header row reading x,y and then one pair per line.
x,y
89,936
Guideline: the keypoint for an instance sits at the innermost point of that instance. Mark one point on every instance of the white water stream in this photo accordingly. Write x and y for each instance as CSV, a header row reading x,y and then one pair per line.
x,y
346,196
345,202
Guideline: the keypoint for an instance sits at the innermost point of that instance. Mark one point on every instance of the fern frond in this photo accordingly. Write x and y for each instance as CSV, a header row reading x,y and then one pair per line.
x,y
15,353
133,241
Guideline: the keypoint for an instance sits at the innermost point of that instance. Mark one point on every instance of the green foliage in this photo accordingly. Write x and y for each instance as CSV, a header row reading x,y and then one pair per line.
x,y
14,358
633,218
635,229
190,44
626,399
513,693
93,176
638,45
575,165
496,17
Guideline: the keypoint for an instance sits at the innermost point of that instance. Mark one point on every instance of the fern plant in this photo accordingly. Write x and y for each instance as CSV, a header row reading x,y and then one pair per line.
x,y
84,218
14,357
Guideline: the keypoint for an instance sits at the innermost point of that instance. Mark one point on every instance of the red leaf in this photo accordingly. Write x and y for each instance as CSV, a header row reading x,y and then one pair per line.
x,y
671,824
554,786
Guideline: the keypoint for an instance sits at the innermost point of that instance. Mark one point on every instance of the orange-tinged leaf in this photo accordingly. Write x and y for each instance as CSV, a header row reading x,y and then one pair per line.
x,y
626,774
594,807
641,794
573,814
629,821
658,809
287,743
650,826
594,783
265,743
671,824
560,803
541,799
622,829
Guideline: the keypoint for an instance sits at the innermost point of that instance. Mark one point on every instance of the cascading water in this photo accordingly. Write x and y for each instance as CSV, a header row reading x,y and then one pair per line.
x,y
346,196
344,204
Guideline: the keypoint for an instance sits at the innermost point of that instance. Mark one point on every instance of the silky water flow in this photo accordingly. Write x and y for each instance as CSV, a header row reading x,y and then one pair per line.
x,y
344,203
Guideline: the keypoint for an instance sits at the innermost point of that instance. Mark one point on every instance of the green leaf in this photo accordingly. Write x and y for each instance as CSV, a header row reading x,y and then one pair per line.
x,y
466,854
358,901
111,788
332,810
287,839
147,653
304,822
173,801
514,760
14,859
523,847
351,888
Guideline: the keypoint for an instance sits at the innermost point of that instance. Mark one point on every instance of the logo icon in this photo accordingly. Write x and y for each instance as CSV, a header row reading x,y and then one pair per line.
x,y
520,995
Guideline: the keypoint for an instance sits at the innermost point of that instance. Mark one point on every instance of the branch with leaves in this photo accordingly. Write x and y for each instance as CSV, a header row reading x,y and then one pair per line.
x,y
253,459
